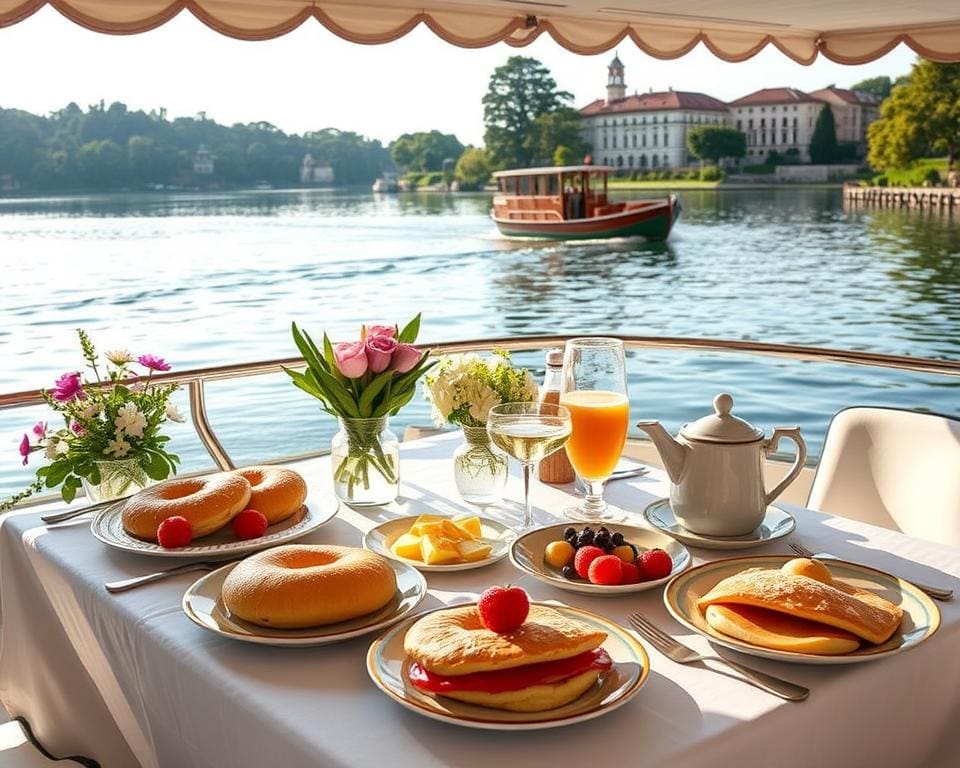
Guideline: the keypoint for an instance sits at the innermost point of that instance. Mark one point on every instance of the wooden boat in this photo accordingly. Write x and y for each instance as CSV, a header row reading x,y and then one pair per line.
x,y
570,202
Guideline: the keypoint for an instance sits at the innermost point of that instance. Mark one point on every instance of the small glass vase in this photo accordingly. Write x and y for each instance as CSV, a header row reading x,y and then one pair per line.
x,y
118,478
479,469
365,456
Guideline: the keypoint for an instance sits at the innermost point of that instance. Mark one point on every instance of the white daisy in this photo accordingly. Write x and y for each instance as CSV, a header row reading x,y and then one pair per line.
x,y
120,356
173,413
118,446
130,420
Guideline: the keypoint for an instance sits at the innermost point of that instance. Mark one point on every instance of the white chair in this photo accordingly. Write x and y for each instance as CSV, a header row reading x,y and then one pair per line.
x,y
895,468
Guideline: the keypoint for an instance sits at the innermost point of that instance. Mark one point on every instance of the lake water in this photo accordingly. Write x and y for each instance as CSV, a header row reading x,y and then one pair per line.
x,y
211,279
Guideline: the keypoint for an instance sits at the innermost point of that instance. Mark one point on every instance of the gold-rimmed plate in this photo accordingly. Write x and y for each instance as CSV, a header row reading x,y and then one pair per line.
x,y
320,508
203,606
381,539
388,667
921,617
776,524
527,554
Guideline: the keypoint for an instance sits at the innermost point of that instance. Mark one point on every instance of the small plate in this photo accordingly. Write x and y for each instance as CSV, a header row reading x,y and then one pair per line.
x,y
381,538
527,554
776,524
203,606
921,617
388,665
108,527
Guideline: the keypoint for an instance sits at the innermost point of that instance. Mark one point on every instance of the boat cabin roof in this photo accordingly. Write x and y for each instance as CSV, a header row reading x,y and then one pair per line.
x,y
554,169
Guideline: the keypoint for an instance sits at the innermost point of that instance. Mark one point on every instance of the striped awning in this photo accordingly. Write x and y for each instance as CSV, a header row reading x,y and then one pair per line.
x,y
846,32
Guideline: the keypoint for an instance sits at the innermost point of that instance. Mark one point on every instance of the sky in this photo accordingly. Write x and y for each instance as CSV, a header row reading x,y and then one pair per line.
x,y
311,79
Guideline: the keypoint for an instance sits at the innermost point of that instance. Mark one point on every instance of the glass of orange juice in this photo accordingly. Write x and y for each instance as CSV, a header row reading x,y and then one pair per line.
x,y
594,390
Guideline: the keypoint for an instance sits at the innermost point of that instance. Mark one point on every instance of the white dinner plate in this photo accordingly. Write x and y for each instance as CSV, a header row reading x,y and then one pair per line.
x,y
526,553
388,666
203,605
921,617
108,527
381,538
776,524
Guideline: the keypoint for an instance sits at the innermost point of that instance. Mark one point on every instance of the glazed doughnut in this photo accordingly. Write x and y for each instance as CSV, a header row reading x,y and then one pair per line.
x,y
301,585
208,503
275,492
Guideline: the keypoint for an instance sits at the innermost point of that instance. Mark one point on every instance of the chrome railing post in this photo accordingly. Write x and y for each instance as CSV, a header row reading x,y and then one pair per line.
x,y
198,414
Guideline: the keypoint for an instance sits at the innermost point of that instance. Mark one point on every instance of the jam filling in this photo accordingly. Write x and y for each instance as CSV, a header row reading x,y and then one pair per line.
x,y
513,679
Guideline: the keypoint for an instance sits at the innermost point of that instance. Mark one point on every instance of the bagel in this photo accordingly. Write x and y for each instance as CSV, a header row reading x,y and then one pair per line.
x,y
546,663
275,492
208,503
301,585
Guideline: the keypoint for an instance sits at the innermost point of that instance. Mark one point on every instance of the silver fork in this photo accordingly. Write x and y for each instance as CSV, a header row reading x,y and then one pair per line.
x,y
620,474
937,593
681,654
137,581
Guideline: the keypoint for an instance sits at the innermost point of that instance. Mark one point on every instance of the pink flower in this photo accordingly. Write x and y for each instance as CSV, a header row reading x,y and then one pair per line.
x,y
25,449
351,357
68,387
405,357
379,351
40,429
77,428
381,330
153,363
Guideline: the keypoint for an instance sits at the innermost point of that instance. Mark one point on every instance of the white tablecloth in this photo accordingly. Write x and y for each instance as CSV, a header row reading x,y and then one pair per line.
x,y
129,680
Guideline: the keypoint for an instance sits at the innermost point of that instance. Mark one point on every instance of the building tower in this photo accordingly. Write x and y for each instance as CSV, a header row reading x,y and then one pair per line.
x,y
616,87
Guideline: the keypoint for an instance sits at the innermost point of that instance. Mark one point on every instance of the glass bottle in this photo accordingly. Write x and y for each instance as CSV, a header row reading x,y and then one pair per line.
x,y
556,468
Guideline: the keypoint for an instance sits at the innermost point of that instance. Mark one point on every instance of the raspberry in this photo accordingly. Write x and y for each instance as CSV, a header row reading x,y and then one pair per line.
x,y
585,556
629,573
606,570
654,564
503,609
249,524
174,532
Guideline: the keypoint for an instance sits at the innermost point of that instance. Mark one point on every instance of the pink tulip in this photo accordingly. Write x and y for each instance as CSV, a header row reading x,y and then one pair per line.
x,y
67,388
405,357
40,429
381,330
153,363
380,351
25,449
351,357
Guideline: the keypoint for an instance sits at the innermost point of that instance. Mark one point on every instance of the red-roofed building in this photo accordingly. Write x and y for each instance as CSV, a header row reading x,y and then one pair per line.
x,y
776,120
853,111
647,130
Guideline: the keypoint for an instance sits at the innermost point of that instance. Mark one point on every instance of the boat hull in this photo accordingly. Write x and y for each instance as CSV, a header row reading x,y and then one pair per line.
x,y
653,222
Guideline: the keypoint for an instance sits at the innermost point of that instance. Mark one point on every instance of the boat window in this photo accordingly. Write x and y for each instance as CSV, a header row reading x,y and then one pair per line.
x,y
524,185
543,185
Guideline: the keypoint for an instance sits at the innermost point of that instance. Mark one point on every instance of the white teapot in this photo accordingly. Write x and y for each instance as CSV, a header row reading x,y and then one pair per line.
x,y
716,470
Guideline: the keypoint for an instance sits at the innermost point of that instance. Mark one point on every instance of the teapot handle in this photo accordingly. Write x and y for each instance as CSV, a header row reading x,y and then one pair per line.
x,y
792,433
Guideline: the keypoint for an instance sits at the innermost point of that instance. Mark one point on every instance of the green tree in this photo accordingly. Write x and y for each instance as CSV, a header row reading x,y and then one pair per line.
x,y
921,117
716,142
473,168
519,92
878,86
565,156
562,127
823,143
425,151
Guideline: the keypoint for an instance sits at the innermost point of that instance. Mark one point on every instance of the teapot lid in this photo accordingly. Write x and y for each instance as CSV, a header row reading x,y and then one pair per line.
x,y
721,426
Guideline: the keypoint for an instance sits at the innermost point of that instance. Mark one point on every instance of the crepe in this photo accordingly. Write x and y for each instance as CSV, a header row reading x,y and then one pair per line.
x,y
864,614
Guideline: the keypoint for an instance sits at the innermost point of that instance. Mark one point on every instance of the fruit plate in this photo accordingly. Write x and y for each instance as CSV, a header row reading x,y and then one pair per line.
x,y
381,538
776,523
527,554
321,508
921,617
203,606
388,667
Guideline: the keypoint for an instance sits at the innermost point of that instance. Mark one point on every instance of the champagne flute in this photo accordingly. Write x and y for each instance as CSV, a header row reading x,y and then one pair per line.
x,y
594,389
529,432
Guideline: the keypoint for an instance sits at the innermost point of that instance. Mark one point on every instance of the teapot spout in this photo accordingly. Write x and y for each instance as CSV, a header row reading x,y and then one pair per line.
x,y
672,453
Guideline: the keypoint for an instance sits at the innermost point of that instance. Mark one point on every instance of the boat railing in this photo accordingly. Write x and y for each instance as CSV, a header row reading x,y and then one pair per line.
x,y
195,380
533,214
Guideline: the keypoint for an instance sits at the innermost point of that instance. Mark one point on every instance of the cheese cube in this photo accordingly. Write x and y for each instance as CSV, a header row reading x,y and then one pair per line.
x,y
469,525
435,550
408,546
472,551
424,521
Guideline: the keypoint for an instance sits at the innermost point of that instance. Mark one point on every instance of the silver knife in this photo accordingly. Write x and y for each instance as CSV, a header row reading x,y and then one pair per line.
x,y
69,514
136,581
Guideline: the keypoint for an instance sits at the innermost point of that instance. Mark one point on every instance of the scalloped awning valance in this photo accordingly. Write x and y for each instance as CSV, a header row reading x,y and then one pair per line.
x,y
846,32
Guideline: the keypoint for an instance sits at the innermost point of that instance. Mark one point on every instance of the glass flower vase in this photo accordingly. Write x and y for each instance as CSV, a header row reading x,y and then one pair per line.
x,y
118,478
479,469
365,456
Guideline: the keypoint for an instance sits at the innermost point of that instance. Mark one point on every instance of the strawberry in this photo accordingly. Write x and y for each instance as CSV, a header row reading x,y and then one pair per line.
x,y
583,558
629,573
605,570
654,564
175,532
249,524
503,609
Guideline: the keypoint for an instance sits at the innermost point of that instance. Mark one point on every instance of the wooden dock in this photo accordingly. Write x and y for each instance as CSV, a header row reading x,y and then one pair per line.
x,y
929,198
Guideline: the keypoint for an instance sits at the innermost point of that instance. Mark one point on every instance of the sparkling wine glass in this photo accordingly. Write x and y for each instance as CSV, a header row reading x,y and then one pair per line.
x,y
594,389
528,432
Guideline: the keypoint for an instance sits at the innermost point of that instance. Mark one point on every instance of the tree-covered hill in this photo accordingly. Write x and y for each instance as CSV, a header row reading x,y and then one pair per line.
x,y
112,147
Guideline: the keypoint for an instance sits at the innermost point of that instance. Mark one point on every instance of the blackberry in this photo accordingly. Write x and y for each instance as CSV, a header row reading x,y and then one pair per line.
x,y
603,529
584,540
569,533
617,539
569,572
602,540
